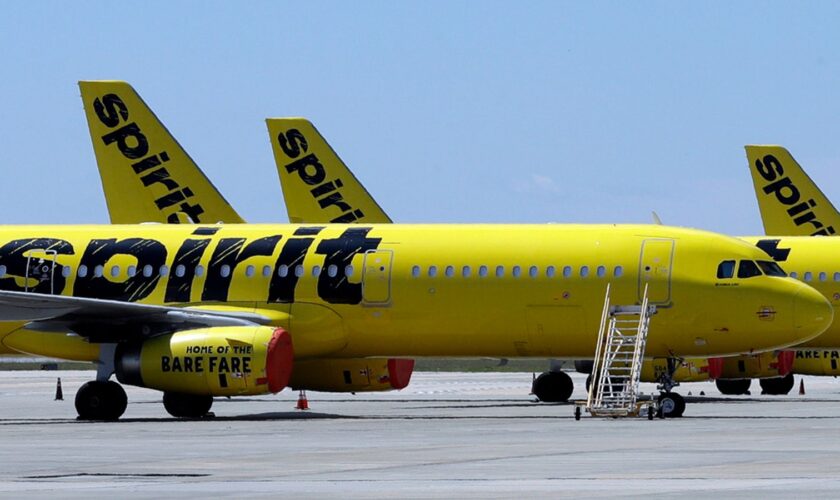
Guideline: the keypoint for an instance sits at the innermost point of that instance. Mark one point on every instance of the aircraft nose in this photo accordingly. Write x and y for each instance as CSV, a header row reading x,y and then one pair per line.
x,y
812,313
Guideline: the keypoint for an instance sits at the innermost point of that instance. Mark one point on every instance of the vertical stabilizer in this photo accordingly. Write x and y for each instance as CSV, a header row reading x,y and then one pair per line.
x,y
317,186
146,175
789,201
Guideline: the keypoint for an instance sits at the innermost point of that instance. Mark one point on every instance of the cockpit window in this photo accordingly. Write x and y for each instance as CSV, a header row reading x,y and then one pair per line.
x,y
726,269
770,268
748,269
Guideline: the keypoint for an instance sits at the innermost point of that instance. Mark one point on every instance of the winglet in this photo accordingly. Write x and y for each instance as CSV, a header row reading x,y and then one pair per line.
x,y
656,219
146,175
789,201
317,186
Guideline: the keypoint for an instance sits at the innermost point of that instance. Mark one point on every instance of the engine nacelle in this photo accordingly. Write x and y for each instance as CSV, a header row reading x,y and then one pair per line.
x,y
352,375
220,361
764,365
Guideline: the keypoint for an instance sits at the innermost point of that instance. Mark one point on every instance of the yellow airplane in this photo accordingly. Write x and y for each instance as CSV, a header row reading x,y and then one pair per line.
x,y
133,198
772,368
161,309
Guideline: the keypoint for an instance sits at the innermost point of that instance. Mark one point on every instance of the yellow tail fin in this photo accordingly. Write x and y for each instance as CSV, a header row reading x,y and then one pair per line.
x,y
789,201
146,175
317,186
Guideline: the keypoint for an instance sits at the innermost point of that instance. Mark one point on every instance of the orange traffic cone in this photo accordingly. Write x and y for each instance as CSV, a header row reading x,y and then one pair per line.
x,y
302,403
802,387
59,394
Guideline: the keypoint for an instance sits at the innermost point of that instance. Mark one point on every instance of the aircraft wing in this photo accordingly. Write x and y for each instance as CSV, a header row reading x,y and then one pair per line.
x,y
111,320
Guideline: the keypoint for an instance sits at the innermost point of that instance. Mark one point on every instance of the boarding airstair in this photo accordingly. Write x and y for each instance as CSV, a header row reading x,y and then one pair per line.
x,y
614,387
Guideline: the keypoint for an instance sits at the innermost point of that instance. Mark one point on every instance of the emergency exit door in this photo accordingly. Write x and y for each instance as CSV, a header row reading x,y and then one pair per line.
x,y
376,280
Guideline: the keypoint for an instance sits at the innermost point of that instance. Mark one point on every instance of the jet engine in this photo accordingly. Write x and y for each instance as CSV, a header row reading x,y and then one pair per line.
x,y
219,361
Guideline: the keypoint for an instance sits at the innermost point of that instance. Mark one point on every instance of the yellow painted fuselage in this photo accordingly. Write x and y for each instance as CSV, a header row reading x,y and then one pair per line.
x,y
428,290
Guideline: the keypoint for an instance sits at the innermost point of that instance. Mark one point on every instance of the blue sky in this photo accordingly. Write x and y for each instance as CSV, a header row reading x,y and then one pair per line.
x,y
447,111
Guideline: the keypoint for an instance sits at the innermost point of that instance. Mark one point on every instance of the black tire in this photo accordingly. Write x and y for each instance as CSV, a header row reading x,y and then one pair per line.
x,y
671,404
187,405
733,387
778,386
97,400
553,387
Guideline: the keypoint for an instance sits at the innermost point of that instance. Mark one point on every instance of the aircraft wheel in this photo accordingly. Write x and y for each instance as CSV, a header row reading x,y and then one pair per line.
x,y
553,387
98,400
187,405
777,386
671,404
733,387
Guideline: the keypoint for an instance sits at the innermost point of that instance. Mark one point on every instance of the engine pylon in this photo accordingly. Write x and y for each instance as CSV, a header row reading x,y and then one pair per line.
x,y
302,402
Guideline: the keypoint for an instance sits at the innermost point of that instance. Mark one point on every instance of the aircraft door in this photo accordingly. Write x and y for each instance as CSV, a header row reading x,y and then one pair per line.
x,y
40,270
376,277
655,270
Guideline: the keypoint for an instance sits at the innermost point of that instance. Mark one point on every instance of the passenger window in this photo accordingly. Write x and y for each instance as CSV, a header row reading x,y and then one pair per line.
x,y
283,270
66,271
726,269
823,277
432,271
748,269
199,270
180,270
224,271
348,271
164,271
550,271
266,272
500,271
466,271
533,271
115,271
450,271
132,271
299,270
2,270
148,270
584,271
836,276
601,271
770,268
98,271
618,271
482,271
516,271
415,271
250,271
332,271
807,276
794,275
316,271
567,272
82,270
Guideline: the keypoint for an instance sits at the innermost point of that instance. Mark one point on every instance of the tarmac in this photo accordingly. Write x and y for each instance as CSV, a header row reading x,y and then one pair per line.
x,y
448,435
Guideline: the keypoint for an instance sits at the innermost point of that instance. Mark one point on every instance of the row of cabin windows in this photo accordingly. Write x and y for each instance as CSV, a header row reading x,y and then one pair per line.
x,y
809,276
332,271
515,271
749,269
181,270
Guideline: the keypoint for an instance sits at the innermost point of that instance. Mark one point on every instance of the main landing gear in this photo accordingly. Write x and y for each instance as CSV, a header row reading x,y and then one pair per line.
x,y
778,386
734,387
187,405
553,387
101,400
